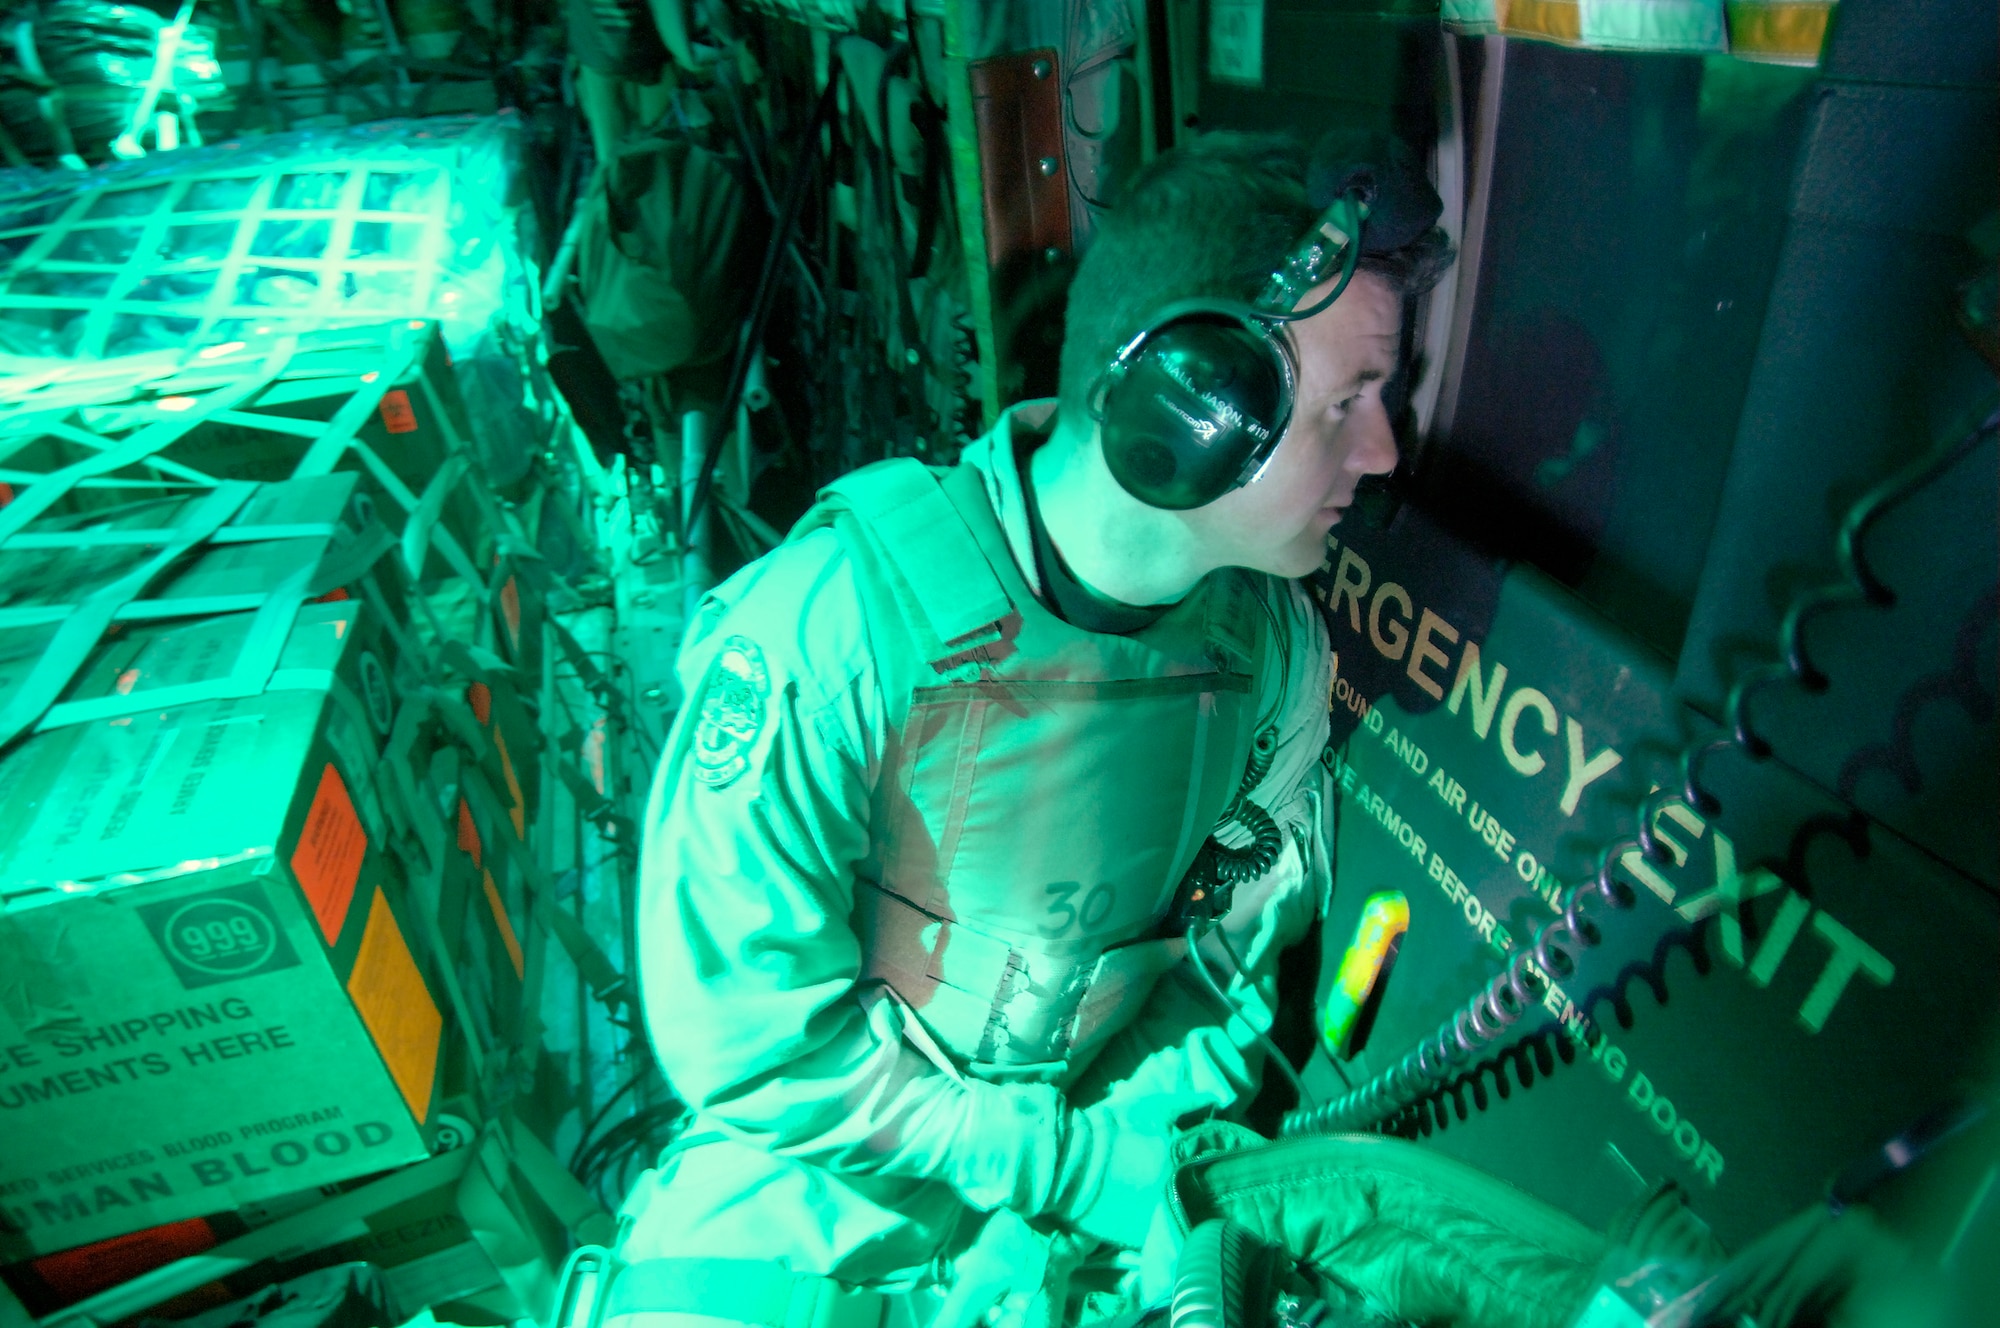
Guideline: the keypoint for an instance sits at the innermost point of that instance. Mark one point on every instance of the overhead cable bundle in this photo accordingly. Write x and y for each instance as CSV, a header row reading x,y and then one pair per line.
x,y
86,81
844,15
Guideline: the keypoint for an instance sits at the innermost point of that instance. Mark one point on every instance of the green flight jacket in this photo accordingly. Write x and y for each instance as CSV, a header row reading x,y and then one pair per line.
x,y
903,861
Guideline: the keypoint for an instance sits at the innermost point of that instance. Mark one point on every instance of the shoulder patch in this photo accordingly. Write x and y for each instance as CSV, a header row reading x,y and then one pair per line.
x,y
734,698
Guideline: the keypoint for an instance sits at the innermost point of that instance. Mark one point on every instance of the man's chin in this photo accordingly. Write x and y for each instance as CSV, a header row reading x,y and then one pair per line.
x,y
1298,558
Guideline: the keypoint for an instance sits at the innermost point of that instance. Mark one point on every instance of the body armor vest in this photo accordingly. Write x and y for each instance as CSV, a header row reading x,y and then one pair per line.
x,y
1044,789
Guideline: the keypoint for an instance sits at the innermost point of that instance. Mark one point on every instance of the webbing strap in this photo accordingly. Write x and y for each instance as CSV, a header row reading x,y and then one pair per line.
x,y
927,543
591,805
398,758
606,983
752,1291
418,816
338,433
430,506
256,667
447,544
138,610
40,497
80,633
470,1016
166,46
746,1290
345,563
256,662
97,443
116,538
579,660
285,424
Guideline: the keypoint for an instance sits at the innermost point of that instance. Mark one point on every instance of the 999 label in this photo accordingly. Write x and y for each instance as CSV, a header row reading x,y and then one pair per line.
x,y
220,935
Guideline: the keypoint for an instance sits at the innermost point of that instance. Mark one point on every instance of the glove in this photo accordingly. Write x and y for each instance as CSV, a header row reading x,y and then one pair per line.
x,y
999,1279
1111,1174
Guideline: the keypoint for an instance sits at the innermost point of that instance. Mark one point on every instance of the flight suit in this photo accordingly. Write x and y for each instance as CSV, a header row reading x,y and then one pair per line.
x,y
905,863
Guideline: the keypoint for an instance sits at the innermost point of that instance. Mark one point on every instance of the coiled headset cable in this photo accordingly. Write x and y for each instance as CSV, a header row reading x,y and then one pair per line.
x,y
1200,930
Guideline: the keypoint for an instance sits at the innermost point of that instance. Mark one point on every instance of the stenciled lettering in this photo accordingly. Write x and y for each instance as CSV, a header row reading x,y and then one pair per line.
x,y
1479,686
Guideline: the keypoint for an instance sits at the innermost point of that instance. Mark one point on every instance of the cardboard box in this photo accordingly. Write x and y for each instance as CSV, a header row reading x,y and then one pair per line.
x,y
211,987
476,1234
89,597
381,401
413,429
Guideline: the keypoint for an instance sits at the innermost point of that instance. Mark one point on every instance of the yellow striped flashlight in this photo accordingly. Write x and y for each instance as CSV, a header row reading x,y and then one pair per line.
x,y
1384,919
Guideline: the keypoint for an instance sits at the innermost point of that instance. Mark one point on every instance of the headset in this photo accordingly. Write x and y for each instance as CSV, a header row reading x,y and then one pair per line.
x,y
1196,403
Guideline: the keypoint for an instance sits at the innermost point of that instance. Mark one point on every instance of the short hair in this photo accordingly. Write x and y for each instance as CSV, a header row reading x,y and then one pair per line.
x,y
1415,268
1211,219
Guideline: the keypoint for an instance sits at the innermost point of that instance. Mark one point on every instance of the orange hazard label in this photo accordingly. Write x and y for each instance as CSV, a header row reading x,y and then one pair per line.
x,y
518,811
327,861
468,832
506,925
397,416
510,613
390,995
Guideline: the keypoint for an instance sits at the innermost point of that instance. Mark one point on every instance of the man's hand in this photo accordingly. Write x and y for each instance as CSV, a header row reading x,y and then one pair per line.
x,y
1113,1170
999,1280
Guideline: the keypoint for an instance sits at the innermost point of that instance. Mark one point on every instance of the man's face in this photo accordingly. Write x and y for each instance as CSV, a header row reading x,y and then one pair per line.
x,y
1339,432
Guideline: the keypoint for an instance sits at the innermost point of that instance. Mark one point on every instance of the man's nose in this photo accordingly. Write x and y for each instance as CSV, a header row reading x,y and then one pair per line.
x,y
1373,440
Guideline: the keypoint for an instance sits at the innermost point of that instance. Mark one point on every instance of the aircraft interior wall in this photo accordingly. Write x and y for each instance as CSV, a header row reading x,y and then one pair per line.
x,y
396,395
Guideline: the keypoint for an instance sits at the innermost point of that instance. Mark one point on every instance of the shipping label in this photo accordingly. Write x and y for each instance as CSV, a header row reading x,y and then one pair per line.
x,y
219,936
201,1055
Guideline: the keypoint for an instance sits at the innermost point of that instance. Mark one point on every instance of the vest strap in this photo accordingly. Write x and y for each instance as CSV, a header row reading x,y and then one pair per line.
x,y
928,544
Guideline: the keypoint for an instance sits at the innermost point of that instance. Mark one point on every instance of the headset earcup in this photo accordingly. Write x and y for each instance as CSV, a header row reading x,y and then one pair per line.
x,y
1191,413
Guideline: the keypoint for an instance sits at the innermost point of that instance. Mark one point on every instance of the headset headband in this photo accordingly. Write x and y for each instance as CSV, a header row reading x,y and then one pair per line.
x,y
1334,238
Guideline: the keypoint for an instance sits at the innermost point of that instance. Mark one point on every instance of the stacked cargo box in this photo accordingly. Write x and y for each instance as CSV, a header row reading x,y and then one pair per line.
x,y
273,901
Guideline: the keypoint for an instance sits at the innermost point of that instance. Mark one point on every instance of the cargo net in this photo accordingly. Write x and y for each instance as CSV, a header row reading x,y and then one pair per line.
x,y
240,242
451,575
287,408
326,601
